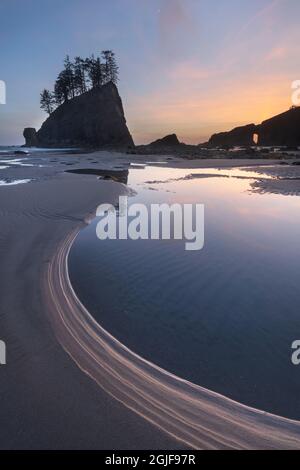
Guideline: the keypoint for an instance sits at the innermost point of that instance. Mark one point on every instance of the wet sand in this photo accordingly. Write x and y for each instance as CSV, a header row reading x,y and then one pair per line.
x,y
47,401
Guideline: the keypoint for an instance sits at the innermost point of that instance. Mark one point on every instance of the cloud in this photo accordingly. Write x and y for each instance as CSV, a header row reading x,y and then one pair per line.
x,y
189,70
198,95
277,53
175,26
172,15
262,22
265,14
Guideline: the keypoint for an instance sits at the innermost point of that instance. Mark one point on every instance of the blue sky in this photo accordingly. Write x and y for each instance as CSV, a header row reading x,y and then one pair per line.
x,y
187,66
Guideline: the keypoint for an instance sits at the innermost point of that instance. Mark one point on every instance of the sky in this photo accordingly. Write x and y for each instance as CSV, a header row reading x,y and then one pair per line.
x,y
193,67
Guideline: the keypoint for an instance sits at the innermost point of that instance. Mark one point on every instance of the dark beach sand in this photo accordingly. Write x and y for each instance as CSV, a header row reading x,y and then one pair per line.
x,y
47,401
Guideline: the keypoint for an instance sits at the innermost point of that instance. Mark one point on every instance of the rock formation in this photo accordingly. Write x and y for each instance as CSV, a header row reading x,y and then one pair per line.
x,y
30,136
93,119
239,136
166,145
281,130
168,141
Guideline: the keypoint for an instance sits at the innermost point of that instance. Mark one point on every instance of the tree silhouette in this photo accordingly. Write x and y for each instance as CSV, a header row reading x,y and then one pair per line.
x,y
80,76
47,101
62,87
95,71
69,76
110,66
59,95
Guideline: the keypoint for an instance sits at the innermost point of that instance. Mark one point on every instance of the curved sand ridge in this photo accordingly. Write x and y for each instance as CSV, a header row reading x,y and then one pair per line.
x,y
197,417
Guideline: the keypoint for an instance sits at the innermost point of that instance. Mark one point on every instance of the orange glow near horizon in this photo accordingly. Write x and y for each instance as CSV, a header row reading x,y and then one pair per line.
x,y
245,77
194,116
190,67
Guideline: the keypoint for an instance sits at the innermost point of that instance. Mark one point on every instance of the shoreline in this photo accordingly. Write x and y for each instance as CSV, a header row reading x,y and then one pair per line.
x,y
187,412
47,402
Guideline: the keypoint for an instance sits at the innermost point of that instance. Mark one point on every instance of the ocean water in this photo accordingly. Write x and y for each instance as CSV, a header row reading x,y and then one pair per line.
x,y
223,317
11,159
11,149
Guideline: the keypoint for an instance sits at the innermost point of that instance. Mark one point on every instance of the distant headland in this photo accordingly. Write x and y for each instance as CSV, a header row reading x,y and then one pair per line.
x,y
281,130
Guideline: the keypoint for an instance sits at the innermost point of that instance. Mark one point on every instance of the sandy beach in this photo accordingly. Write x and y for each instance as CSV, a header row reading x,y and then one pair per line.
x,y
150,229
48,402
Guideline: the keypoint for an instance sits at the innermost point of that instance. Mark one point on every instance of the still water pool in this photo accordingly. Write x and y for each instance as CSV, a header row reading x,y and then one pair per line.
x,y
223,317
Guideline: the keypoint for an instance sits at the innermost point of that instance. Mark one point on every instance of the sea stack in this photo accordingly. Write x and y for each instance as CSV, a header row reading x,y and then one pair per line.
x,y
30,137
94,119
239,136
169,140
281,130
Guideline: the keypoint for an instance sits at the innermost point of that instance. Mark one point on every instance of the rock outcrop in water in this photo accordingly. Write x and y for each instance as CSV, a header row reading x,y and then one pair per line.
x,y
93,119
30,136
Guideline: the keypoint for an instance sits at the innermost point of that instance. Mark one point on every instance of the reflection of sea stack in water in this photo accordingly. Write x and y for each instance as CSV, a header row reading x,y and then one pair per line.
x,y
94,119
120,176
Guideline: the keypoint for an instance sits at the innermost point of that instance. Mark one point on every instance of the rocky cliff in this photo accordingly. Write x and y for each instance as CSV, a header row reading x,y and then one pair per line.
x,y
240,136
93,119
281,130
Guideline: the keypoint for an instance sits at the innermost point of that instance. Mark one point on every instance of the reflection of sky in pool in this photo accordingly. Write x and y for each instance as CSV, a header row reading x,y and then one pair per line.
x,y
15,161
223,317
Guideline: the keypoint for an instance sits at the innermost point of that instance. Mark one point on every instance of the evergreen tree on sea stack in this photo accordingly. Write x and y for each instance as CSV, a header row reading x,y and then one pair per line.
x,y
111,67
80,76
47,101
